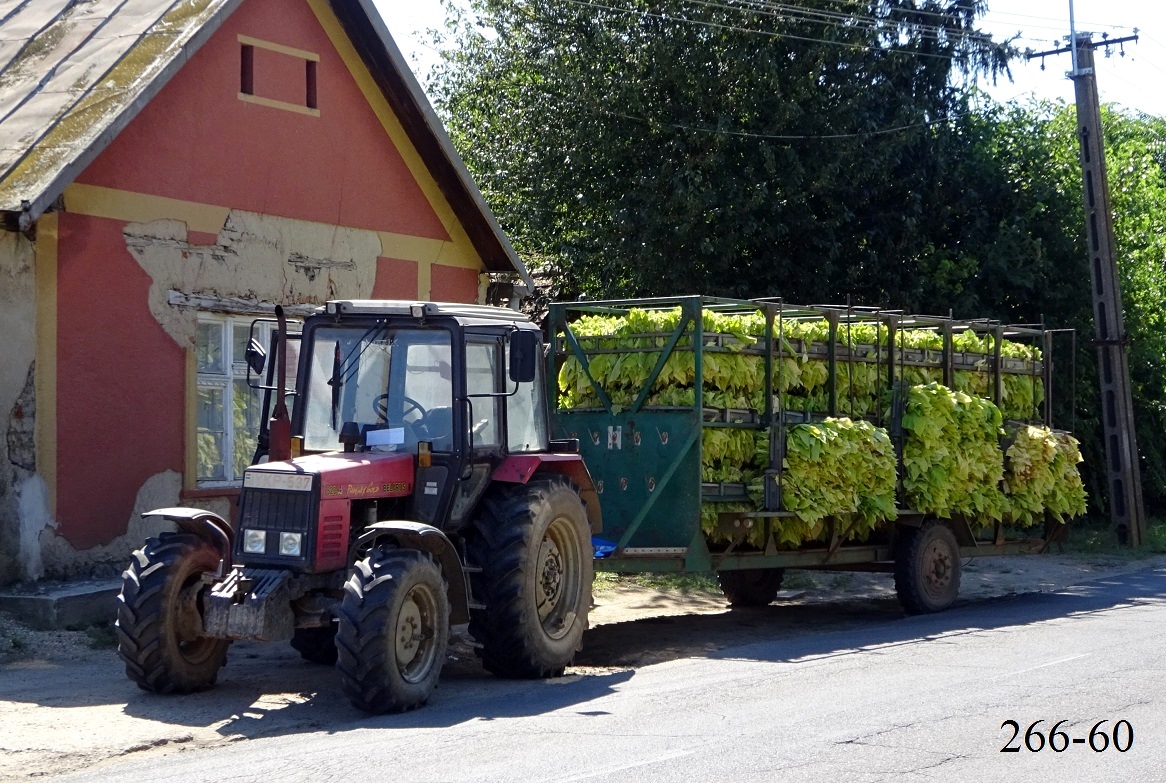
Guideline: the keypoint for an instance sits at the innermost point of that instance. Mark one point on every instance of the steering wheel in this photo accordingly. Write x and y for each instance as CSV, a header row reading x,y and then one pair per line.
x,y
381,406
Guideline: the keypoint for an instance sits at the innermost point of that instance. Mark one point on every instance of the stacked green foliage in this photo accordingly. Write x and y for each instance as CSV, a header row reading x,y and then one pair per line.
x,y
1041,474
727,454
735,377
840,467
952,464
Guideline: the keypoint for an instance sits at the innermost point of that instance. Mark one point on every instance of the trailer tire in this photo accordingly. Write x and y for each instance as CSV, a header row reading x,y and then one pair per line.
x,y
533,545
751,588
159,622
393,631
316,645
927,568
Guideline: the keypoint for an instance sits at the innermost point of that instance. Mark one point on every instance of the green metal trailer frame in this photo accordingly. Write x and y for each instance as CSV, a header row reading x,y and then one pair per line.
x,y
646,461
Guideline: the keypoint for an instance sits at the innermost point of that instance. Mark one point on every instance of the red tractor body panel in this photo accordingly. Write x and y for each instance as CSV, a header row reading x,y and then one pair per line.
x,y
518,469
344,478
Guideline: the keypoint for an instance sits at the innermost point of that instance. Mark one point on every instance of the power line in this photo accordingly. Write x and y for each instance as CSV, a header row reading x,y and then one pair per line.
x,y
786,137
991,13
766,33
838,19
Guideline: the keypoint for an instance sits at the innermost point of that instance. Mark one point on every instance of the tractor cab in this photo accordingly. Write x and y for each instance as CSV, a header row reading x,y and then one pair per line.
x,y
457,388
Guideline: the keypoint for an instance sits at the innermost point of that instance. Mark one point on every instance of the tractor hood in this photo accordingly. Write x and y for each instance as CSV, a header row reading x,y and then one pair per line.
x,y
342,474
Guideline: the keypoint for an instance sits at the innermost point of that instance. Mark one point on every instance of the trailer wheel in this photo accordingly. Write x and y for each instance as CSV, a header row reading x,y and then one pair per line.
x,y
927,568
159,616
755,587
393,631
533,545
316,645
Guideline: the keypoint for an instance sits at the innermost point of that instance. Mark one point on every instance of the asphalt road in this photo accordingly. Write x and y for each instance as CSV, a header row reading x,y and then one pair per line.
x,y
866,695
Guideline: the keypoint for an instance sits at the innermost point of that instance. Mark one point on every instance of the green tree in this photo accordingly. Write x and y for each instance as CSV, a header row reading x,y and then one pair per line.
x,y
672,146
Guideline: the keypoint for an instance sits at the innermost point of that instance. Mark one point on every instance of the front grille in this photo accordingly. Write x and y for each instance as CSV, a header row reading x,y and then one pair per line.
x,y
277,509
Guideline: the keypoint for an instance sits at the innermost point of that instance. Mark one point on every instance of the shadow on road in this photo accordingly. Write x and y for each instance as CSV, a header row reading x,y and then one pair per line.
x,y
843,627
266,690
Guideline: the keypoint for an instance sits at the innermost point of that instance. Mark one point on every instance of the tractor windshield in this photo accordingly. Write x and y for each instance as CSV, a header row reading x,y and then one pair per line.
x,y
396,380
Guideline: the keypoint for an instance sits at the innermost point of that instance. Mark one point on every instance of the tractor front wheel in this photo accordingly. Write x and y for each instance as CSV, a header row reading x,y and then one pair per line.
x,y
393,631
533,546
159,617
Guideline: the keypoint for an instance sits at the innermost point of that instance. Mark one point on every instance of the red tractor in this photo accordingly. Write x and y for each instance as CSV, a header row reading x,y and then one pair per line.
x,y
412,491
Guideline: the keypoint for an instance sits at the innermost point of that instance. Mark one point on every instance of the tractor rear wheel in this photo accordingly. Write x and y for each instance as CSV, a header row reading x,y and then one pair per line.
x,y
533,545
755,587
316,645
927,568
393,631
159,616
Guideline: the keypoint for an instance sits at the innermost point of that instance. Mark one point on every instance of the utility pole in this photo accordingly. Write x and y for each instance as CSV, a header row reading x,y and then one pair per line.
x,y
1123,475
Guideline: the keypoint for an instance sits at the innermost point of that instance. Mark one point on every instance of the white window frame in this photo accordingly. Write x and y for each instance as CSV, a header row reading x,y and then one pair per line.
x,y
235,368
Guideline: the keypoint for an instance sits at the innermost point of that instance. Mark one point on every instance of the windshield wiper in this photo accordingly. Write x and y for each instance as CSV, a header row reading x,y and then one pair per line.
x,y
342,371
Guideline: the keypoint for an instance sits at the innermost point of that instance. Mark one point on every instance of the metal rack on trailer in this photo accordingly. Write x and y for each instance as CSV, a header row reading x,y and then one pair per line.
x,y
647,462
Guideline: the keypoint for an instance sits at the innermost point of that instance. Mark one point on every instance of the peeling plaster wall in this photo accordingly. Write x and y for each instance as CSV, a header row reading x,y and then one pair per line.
x,y
17,400
62,561
255,257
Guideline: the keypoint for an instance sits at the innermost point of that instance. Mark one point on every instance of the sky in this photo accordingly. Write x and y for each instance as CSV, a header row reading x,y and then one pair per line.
x,y
1136,81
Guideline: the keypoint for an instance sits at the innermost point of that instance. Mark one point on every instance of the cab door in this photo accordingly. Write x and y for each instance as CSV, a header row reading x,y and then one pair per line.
x,y
486,424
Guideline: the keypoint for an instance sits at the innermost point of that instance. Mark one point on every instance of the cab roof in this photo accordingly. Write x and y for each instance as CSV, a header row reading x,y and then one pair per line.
x,y
404,307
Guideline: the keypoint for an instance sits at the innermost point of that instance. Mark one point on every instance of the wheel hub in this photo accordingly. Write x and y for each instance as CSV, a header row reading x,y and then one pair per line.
x,y
937,567
409,632
550,576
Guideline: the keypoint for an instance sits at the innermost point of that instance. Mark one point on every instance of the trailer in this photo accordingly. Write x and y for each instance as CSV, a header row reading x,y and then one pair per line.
x,y
646,460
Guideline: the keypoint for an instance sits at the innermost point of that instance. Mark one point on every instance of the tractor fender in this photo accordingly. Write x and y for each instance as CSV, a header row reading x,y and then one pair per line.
x,y
519,468
426,538
207,525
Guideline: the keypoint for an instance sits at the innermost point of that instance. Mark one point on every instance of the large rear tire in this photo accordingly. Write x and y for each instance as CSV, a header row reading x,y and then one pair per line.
x,y
927,568
159,616
755,587
393,631
533,545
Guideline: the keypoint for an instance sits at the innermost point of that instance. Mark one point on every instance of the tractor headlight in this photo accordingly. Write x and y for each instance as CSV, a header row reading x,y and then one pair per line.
x,y
289,544
255,541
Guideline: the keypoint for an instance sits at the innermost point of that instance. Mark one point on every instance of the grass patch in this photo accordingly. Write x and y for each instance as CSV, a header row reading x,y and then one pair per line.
x,y
798,580
102,635
671,583
1099,539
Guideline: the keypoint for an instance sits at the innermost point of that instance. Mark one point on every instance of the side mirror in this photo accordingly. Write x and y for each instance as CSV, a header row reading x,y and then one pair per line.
x,y
526,347
256,357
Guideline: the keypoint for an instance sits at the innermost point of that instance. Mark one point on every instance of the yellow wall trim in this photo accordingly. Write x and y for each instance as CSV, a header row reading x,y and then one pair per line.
x,y
125,205
45,377
271,103
130,207
270,46
190,424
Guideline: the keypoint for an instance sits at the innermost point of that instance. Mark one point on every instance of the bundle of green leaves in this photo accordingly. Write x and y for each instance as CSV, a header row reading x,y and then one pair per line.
x,y
840,467
1068,498
952,464
1029,480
